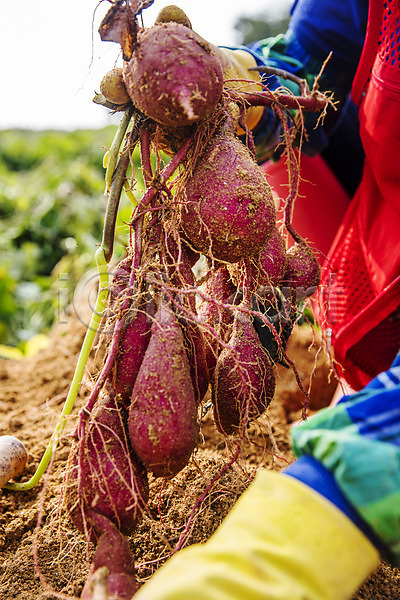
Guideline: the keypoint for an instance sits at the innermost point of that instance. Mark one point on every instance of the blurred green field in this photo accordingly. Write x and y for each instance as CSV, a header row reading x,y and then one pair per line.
x,y
52,207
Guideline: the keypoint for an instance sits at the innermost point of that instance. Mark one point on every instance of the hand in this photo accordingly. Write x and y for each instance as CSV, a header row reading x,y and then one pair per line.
x,y
236,65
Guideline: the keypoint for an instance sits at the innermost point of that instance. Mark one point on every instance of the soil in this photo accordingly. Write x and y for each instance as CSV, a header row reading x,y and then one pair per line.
x,y
41,553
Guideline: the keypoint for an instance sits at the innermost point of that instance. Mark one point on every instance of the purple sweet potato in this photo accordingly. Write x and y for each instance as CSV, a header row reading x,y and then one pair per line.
x,y
117,293
220,289
132,347
229,211
105,475
174,75
265,269
120,279
163,424
244,383
179,261
178,252
302,273
112,572
195,346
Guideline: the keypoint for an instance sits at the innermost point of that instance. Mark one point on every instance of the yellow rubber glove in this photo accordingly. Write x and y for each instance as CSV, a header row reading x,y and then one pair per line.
x,y
236,65
281,541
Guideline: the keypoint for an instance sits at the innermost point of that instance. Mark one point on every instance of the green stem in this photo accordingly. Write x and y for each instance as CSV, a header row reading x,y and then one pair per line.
x,y
115,146
77,379
130,195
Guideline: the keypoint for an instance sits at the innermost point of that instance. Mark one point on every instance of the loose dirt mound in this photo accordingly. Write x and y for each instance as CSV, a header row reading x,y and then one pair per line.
x,y
43,556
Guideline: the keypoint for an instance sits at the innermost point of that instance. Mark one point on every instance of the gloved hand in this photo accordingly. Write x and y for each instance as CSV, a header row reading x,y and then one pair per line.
x,y
236,64
354,449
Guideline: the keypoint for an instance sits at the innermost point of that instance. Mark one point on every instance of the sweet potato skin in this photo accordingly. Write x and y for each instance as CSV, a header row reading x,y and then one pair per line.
x,y
195,346
229,211
174,76
163,425
302,274
120,279
13,457
265,268
220,289
112,570
133,343
179,260
104,475
243,379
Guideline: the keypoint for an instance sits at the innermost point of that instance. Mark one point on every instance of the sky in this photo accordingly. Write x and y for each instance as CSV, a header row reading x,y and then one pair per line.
x,y
52,59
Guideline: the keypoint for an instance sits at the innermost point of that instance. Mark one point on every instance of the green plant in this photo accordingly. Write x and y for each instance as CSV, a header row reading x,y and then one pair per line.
x,y
52,207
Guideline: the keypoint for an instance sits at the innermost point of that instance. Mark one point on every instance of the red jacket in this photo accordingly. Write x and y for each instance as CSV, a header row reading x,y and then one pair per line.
x,y
360,292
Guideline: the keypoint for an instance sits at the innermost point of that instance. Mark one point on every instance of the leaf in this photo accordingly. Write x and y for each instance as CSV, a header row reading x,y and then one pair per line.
x,y
114,23
120,24
117,27
10,353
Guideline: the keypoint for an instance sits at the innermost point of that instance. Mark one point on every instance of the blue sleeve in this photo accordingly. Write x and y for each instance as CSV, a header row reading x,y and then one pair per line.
x,y
318,27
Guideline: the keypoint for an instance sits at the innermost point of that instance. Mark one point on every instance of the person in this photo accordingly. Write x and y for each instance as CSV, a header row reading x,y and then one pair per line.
x,y
359,297
317,529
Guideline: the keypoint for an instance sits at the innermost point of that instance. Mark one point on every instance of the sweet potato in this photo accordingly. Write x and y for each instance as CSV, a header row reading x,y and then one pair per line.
x,y
220,289
120,279
112,572
113,88
173,13
174,75
132,347
13,457
195,346
302,274
244,383
163,423
266,268
179,260
104,474
228,212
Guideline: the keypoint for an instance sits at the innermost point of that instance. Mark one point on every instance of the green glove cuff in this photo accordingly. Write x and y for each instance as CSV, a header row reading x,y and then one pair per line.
x,y
366,469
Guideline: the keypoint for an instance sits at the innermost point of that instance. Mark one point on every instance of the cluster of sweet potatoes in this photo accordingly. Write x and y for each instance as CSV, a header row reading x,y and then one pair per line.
x,y
171,336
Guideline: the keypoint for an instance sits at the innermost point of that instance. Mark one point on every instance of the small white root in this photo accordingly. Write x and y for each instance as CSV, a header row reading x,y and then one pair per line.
x,y
13,457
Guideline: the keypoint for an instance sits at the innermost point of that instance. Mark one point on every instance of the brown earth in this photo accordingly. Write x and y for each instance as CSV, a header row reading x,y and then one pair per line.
x,y
41,553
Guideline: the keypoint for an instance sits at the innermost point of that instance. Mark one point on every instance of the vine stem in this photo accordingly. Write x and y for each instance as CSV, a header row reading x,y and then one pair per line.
x,y
313,103
112,351
115,146
77,378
